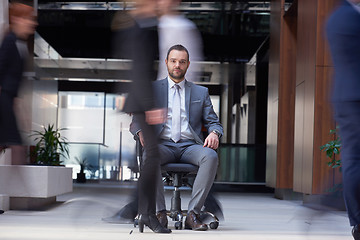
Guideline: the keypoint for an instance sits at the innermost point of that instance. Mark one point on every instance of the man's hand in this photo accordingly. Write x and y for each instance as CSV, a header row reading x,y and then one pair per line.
x,y
212,141
156,116
153,117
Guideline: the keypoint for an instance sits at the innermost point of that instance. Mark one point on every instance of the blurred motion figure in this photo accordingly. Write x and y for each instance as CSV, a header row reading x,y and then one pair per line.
x,y
143,43
343,32
13,55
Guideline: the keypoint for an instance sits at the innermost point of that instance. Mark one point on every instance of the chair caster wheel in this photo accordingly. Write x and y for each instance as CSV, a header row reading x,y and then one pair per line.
x,y
214,225
136,222
178,225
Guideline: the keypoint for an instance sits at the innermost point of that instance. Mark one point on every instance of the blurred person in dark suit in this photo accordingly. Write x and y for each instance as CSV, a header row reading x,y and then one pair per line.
x,y
13,55
343,33
143,44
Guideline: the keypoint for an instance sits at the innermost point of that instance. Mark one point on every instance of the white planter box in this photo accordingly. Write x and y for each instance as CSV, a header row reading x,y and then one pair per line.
x,y
24,182
4,202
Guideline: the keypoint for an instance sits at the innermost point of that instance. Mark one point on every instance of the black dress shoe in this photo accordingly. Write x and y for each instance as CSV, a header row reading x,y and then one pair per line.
x,y
193,222
356,232
153,223
1,211
162,217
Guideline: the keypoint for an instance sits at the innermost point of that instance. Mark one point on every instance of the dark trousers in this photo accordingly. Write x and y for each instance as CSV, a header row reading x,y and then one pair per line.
x,y
149,169
8,125
347,115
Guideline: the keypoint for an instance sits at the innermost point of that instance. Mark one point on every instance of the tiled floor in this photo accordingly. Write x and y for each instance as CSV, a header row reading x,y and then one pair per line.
x,y
247,216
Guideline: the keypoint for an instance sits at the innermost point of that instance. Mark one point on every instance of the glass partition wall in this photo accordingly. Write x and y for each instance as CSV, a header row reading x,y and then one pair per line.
x,y
98,136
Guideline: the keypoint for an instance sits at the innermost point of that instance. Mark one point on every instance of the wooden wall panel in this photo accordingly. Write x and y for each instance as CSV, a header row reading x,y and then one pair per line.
x,y
305,74
274,75
312,70
325,8
299,137
274,54
323,176
281,100
309,73
271,145
285,148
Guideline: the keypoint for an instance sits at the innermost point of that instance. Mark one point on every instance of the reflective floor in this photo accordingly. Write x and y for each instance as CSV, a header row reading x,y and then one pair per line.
x,y
78,215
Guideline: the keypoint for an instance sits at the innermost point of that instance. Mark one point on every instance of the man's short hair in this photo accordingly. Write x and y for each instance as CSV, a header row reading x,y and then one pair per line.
x,y
178,47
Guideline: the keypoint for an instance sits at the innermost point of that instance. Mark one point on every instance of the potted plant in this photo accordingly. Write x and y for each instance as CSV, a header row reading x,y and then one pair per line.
x,y
46,180
83,165
50,145
332,150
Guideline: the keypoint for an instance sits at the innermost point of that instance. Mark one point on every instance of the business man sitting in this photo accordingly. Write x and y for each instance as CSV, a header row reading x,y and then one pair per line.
x,y
180,138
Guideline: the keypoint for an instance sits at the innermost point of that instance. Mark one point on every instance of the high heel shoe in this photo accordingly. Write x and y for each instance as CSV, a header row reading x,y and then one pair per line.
x,y
153,223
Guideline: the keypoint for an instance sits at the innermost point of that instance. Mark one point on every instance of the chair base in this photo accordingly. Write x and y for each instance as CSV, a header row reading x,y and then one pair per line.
x,y
206,217
176,175
178,218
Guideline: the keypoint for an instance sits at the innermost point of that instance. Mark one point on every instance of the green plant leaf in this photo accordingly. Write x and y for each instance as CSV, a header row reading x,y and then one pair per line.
x,y
49,146
332,149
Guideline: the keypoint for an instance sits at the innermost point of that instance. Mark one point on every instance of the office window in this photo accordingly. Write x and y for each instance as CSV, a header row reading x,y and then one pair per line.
x,y
82,114
99,133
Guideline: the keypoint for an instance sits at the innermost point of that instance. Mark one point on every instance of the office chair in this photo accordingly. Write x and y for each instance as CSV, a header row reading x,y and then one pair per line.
x,y
176,173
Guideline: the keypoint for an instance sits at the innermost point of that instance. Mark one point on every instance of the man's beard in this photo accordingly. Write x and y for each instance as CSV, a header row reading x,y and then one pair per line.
x,y
177,77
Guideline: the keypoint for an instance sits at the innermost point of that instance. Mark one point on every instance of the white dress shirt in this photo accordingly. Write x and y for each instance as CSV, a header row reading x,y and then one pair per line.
x,y
185,130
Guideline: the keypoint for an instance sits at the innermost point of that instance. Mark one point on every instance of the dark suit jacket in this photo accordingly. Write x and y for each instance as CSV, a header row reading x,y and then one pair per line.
x,y
198,107
142,42
11,65
343,33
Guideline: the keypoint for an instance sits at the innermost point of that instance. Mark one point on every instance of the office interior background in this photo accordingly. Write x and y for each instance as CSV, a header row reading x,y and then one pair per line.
x,y
266,65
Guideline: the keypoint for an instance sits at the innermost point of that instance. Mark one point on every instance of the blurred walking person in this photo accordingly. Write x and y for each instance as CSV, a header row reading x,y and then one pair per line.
x,y
143,45
343,32
13,56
